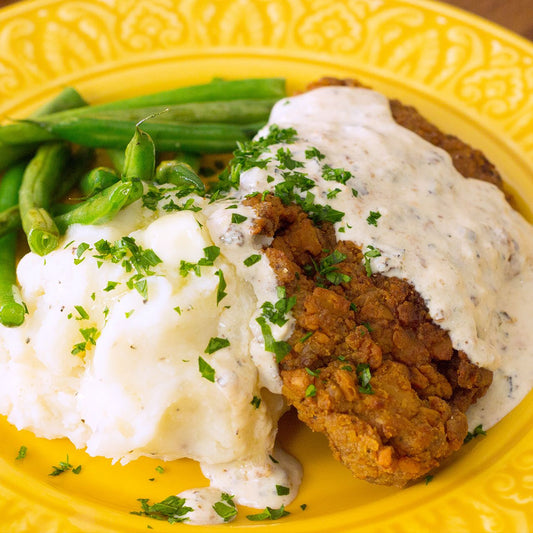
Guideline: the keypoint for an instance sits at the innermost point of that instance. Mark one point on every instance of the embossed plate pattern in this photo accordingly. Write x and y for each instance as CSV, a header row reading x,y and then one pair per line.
x,y
470,77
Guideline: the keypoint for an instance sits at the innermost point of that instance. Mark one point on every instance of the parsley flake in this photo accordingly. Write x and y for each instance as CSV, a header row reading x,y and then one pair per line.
x,y
269,514
364,375
478,430
64,466
111,285
215,344
282,491
314,152
279,348
252,260
237,218
22,453
256,402
225,508
373,217
370,253
171,509
207,371
310,391
336,174
221,286
83,314
306,336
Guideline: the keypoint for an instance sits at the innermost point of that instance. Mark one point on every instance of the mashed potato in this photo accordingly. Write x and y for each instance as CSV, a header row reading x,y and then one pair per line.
x,y
155,363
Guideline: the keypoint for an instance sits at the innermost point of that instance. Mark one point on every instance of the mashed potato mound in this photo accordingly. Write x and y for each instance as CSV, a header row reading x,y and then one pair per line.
x,y
138,387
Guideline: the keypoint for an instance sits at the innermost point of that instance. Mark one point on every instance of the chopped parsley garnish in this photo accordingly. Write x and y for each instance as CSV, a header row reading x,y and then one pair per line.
x,y
22,453
210,254
64,466
303,507
314,373
364,375
81,311
187,206
373,217
225,508
336,174
252,260
314,152
90,336
327,269
275,313
221,286
333,193
250,154
353,307
171,509
348,368
269,514
132,257
159,469
330,271
215,344
282,491
279,348
370,252
286,161
236,218
428,479
80,250
355,193
306,336
111,285
310,391
478,430
256,402
129,313
207,371
178,310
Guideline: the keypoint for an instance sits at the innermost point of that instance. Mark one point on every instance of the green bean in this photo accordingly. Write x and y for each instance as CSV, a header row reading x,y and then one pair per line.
x,y
97,180
139,161
193,160
77,167
203,138
103,206
117,158
41,179
31,132
12,309
9,220
178,173
225,111
68,98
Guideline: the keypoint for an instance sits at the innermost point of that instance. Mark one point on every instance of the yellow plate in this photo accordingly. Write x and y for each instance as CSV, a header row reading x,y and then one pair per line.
x,y
468,76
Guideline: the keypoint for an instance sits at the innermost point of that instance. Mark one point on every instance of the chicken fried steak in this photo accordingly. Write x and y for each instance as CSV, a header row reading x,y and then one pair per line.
x,y
368,366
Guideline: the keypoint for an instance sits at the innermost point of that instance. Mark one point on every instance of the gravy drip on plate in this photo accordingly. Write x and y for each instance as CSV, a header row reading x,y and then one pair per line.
x,y
457,240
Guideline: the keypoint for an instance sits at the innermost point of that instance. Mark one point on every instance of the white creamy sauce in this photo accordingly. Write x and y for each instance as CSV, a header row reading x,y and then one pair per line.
x,y
201,501
466,251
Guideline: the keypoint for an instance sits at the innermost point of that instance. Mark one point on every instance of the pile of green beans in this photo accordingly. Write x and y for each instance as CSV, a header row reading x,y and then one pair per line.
x,y
52,152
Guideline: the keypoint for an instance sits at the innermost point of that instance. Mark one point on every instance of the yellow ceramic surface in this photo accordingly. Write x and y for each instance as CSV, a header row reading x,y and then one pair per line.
x,y
468,76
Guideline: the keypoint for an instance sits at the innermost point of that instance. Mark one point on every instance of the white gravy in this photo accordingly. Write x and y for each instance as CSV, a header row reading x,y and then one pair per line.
x,y
461,245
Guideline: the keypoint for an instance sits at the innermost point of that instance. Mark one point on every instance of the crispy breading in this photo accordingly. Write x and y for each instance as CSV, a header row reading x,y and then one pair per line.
x,y
411,415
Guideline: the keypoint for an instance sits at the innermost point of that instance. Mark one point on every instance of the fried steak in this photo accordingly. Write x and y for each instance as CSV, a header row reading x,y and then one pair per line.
x,y
410,416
